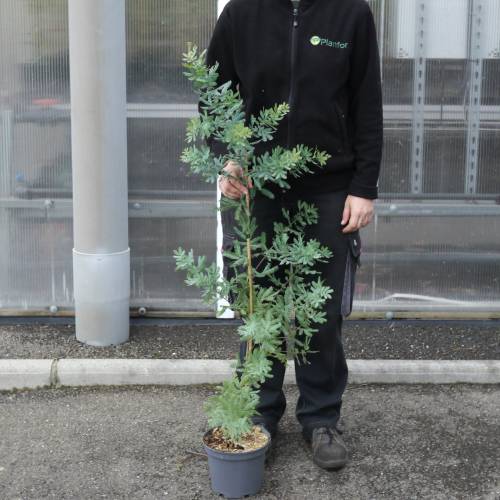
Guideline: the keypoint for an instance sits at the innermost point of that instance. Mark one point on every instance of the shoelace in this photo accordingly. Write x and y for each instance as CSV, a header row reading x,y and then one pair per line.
x,y
330,431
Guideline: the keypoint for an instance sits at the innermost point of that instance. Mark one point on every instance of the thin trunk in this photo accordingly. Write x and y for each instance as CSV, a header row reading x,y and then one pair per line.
x,y
250,278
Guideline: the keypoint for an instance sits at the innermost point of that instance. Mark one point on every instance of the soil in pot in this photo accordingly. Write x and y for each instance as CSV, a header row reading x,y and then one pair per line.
x,y
253,440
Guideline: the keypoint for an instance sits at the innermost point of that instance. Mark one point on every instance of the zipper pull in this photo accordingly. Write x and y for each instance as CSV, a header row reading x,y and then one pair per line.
x,y
295,22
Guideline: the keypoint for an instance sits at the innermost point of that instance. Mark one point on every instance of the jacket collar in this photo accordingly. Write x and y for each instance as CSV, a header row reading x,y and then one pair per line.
x,y
302,3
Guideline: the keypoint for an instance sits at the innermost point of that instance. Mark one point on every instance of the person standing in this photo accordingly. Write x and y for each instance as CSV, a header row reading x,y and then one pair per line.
x,y
322,57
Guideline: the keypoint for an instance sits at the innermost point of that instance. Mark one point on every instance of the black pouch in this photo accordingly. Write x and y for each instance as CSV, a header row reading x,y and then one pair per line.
x,y
353,261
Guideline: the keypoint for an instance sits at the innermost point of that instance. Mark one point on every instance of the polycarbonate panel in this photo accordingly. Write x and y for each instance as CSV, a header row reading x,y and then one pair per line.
x,y
489,173
35,163
395,176
428,263
154,281
154,168
434,244
445,153
167,207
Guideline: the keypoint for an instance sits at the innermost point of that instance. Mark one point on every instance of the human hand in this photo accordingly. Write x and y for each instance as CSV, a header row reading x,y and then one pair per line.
x,y
358,212
232,187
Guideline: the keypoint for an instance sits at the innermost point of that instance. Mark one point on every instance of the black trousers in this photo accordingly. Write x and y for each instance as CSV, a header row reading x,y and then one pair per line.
x,y
322,382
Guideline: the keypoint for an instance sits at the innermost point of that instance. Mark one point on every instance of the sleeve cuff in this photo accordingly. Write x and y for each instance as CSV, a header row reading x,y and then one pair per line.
x,y
363,191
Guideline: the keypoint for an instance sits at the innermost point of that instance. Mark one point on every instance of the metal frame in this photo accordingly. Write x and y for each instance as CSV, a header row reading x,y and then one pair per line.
x,y
402,112
417,159
474,105
180,209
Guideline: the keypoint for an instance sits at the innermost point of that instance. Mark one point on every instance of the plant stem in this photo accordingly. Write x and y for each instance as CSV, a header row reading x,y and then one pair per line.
x,y
249,275
291,321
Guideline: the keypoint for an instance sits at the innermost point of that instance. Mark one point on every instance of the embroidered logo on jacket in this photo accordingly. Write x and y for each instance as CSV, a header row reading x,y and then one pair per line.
x,y
316,40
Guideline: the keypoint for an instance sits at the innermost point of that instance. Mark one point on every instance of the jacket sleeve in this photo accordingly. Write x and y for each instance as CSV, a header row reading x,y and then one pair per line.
x,y
365,107
220,49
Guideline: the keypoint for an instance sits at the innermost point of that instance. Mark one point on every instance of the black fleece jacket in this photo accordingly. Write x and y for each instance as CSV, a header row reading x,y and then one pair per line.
x,y
323,60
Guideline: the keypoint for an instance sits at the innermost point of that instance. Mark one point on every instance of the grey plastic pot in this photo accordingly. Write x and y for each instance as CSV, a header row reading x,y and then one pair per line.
x,y
236,474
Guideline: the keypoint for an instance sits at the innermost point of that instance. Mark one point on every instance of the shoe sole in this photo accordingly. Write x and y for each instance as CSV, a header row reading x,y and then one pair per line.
x,y
330,465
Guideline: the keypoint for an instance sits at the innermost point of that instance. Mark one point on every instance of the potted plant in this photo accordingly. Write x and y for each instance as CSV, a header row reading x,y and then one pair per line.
x,y
289,305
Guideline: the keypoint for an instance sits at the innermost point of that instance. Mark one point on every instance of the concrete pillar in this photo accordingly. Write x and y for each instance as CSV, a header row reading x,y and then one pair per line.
x,y
101,255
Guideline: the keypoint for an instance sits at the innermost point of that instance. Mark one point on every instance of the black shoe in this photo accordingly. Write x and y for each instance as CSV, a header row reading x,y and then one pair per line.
x,y
328,448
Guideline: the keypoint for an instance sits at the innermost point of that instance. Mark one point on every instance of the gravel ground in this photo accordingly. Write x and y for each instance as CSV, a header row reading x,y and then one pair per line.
x,y
368,339
438,442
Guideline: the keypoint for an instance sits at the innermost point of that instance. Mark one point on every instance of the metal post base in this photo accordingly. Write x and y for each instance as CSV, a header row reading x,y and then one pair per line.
x,y
102,297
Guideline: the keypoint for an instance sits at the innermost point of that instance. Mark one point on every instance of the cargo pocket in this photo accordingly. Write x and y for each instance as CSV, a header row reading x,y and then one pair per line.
x,y
352,263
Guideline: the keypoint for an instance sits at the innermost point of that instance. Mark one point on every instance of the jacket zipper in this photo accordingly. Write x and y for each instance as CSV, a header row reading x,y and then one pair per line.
x,y
292,73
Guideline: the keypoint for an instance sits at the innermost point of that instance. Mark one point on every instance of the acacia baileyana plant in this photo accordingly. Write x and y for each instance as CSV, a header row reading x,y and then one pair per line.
x,y
291,303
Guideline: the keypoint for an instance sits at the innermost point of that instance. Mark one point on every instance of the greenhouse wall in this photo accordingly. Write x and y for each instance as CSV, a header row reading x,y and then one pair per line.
x,y
434,244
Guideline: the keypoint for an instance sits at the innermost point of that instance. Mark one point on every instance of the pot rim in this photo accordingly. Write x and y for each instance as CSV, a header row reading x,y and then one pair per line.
x,y
247,452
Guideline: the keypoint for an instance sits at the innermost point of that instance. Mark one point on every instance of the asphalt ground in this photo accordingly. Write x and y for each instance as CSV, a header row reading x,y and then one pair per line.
x,y
436,442
363,339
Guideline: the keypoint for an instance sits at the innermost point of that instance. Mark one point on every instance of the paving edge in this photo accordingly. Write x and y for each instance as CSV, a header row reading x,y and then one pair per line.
x,y
33,373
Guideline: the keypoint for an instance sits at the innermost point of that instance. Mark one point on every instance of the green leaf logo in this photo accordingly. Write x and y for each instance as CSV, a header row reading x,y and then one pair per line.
x,y
315,39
